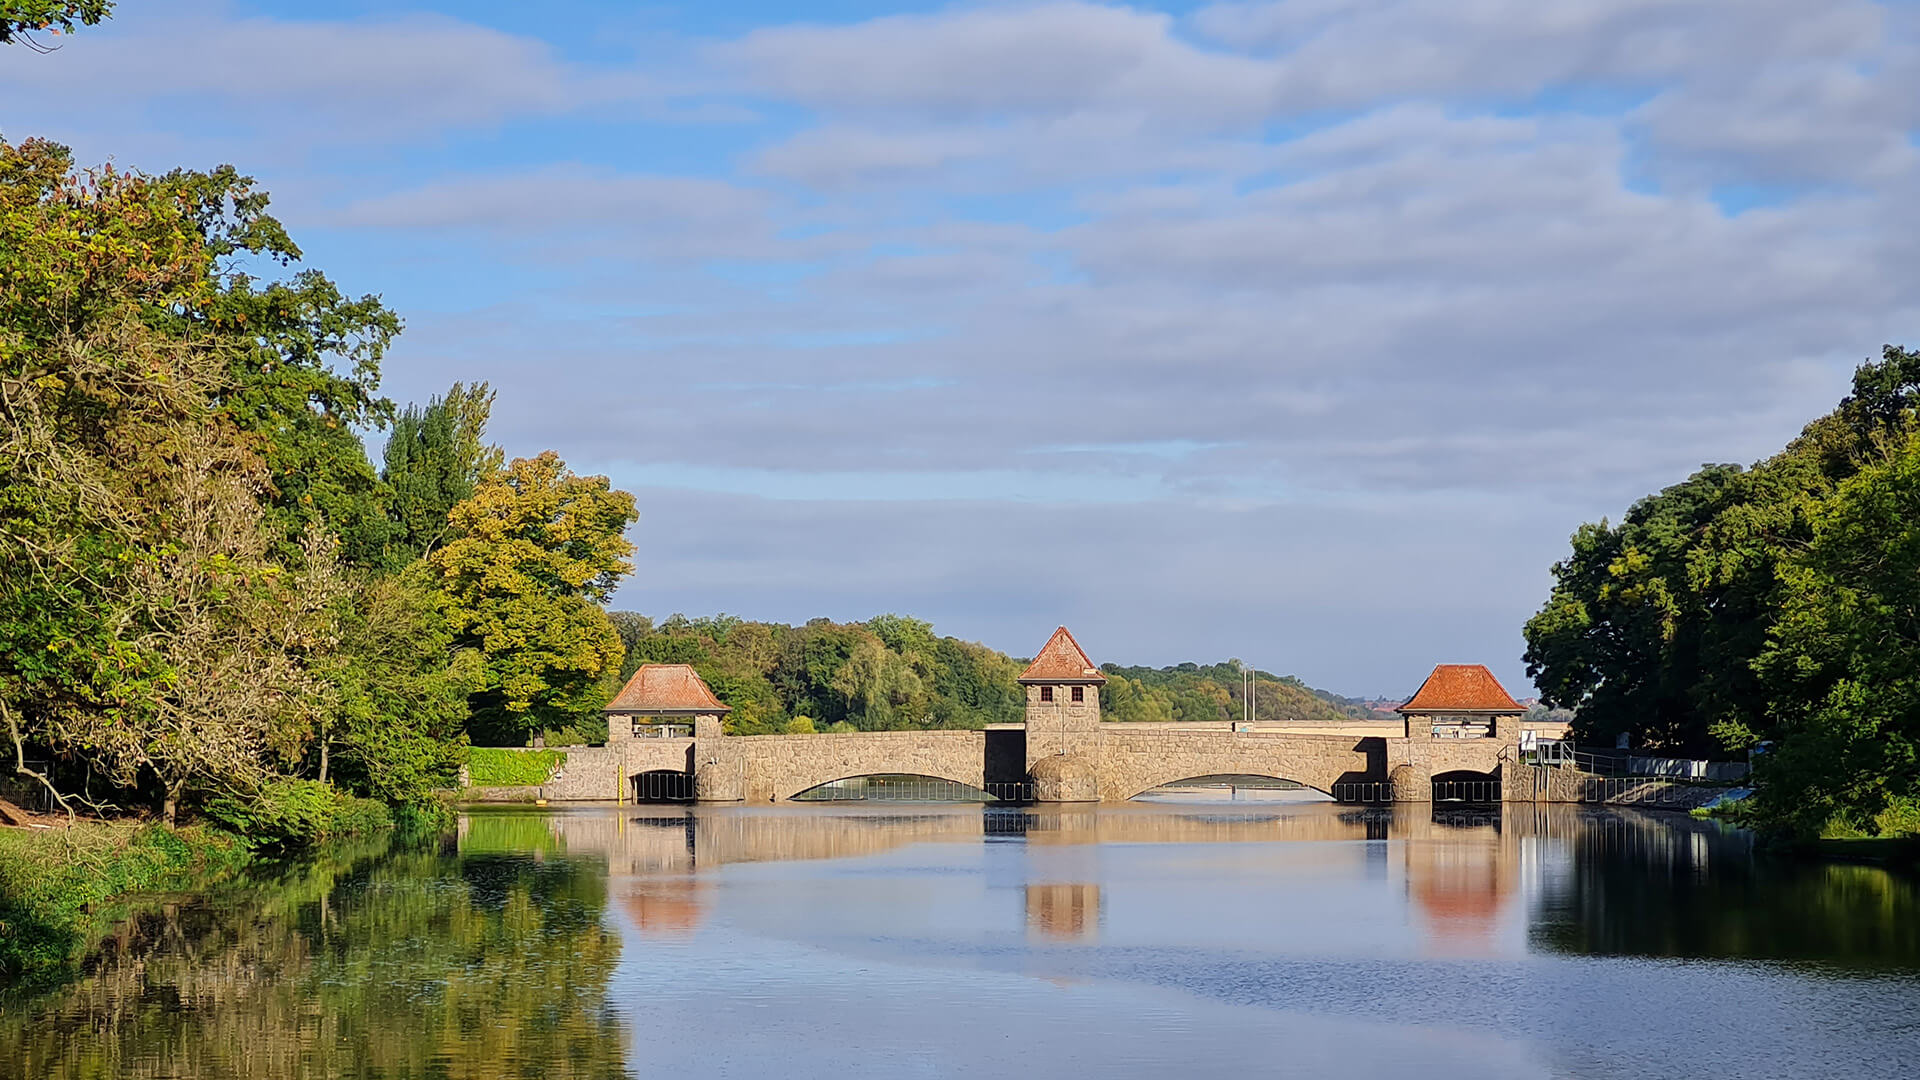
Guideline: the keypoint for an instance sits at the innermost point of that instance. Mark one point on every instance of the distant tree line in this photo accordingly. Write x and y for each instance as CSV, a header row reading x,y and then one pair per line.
x,y
892,672
1774,607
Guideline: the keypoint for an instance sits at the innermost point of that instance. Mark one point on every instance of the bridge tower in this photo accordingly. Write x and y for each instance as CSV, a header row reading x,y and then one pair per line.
x,y
1063,720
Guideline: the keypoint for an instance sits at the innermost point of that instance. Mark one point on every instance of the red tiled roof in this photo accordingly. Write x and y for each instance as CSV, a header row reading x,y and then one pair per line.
x,y
666,688
1062,660
1460,688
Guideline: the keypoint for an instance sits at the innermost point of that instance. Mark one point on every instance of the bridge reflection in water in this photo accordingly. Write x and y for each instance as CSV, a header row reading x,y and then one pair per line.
x,y
1473,881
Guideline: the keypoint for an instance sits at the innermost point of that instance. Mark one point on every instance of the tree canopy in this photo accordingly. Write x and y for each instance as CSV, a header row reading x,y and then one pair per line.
x,y
207,592
1770,604
535,551
893,672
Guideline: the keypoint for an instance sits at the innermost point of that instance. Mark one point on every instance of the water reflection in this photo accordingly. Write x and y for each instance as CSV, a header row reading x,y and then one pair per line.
x,y
1568,879
369,962
1064,912
1112,940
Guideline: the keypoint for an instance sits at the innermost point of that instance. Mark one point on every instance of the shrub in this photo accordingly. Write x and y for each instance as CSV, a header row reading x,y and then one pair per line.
x,y
297,813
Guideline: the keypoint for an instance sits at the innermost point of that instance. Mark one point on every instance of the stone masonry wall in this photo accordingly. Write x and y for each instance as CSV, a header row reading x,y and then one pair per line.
x,y
1129,762
603,773
768,768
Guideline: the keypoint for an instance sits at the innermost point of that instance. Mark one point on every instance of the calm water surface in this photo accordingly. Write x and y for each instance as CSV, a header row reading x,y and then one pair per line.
x,y
1150,939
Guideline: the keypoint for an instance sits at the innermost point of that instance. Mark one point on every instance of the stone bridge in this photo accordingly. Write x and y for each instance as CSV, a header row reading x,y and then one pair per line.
x,y
1100,762
1062,753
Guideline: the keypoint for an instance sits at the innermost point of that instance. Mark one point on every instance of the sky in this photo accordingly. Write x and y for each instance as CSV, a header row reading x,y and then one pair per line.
x,y
1301,332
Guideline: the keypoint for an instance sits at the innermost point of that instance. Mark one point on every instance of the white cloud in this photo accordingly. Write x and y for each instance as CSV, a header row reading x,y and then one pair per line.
x,y
1049,58
325,81
1412,284
561,196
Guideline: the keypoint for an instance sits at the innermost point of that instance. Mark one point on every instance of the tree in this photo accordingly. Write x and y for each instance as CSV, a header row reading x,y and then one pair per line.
x,y
1842,662
396,730
302,359
534,554
433,460
19,18
1654,628
1631,622
168,543
882,689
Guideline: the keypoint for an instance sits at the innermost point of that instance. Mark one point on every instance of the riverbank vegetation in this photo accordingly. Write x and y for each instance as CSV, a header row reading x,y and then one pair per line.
x,y
211,599
1774,608
893,672
58,892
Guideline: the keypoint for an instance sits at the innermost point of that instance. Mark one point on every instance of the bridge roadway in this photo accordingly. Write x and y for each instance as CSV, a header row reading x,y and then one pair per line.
x,y
1105,762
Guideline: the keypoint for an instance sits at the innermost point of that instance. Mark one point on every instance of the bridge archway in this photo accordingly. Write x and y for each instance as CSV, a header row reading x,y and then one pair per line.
x,y
899,787
1467,786
1323,774
1234,787
662,786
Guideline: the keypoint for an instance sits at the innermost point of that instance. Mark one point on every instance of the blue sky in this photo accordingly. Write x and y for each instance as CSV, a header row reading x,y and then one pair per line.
x,y
1303,332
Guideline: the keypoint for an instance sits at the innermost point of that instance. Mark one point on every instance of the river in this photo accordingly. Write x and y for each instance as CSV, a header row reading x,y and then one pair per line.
x,y
1225,938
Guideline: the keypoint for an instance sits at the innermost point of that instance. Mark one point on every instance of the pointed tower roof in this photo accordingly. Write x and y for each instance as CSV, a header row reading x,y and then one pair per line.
x,y
666,688
1461,688
1062,660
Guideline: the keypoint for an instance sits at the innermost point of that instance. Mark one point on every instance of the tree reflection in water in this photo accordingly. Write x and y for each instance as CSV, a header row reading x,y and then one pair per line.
x,y
412,962
1635,885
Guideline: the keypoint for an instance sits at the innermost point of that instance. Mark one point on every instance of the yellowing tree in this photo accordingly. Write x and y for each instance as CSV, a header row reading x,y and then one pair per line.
x,y
536,552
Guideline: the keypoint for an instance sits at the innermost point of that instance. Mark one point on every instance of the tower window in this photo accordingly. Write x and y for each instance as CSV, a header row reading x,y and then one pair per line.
x,y
1046,693
1079,693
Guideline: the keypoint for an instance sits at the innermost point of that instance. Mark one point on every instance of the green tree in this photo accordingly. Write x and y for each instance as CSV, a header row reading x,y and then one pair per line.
x,y
1842,663
148,620
1627,634
433,460
1655,626
882,689
302,358
19,18
396,730
535,553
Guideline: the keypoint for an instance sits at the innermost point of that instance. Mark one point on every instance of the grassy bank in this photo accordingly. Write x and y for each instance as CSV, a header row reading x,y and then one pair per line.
x,y
1891,838
61,889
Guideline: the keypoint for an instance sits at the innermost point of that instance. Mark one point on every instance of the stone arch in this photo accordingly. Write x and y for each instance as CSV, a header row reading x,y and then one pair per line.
x,y
1317,776
778,767
1264,775
933,785
1134,761
1466,786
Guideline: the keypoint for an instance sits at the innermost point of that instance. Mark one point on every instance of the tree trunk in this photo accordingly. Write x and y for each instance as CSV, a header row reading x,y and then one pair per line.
x,y
324,747
170,806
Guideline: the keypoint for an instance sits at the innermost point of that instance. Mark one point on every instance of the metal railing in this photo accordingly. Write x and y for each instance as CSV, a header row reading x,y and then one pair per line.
x,y
663,731
1478,792
1363,791
1635,790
